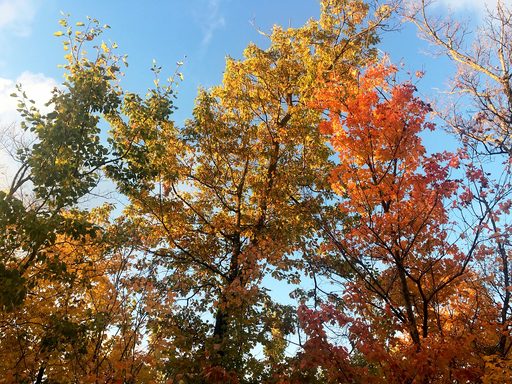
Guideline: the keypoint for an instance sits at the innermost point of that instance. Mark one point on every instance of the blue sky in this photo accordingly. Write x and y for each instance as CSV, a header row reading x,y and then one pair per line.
x,y
199,32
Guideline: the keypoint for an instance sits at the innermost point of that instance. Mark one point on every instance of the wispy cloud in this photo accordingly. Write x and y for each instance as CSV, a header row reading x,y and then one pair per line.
x,y
16,16
210,19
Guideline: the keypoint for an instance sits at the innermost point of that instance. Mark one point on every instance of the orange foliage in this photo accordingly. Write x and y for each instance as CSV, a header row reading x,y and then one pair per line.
x,y
412,318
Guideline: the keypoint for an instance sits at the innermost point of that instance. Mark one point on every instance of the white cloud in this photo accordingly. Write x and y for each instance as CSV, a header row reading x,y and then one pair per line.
x,y
16,16
37,87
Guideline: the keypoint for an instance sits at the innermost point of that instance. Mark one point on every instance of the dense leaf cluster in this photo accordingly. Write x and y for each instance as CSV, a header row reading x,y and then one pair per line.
x,y
305,170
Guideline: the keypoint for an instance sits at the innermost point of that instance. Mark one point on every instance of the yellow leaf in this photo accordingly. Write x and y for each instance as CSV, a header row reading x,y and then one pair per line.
x,y
104,47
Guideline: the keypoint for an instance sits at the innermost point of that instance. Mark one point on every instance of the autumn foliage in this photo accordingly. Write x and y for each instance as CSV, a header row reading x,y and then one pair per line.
x,y
406,317
308,169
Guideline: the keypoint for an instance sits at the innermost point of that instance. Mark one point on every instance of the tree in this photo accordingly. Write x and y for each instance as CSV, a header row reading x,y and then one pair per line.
x,y
483,73
481,116
81,320
69,310
408,287
220,203
61,167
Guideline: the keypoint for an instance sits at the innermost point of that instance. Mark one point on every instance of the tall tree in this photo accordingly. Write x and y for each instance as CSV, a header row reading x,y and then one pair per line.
x,y
400,258
220,203
68,309
61,167
481,115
